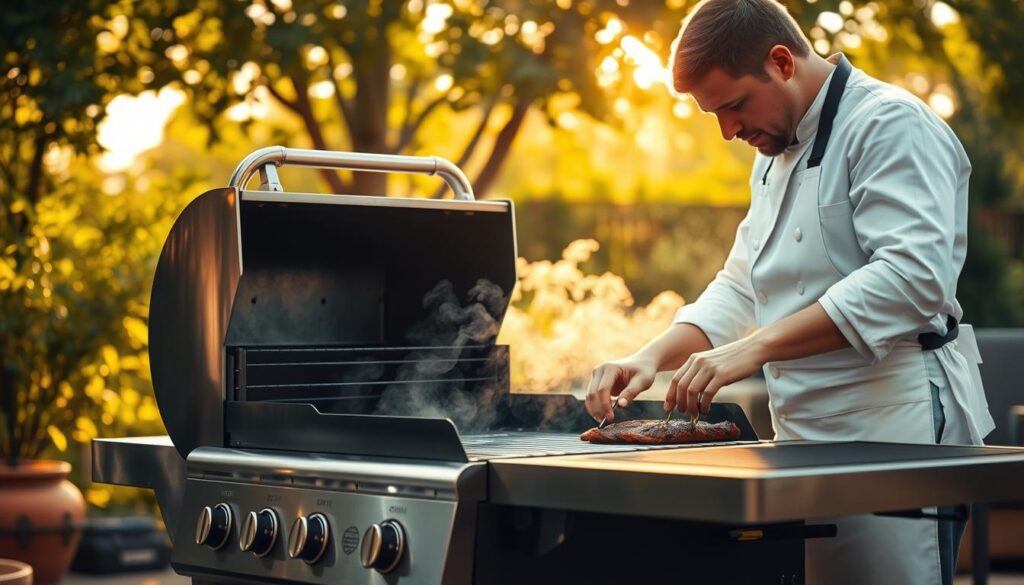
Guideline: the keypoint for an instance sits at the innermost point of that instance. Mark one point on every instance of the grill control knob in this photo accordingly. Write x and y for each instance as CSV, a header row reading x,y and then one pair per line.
x,y
308,538
213,526
383,546
259,531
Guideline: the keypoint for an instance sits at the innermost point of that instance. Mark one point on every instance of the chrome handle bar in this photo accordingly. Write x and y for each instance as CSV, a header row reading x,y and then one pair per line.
x,y
264,161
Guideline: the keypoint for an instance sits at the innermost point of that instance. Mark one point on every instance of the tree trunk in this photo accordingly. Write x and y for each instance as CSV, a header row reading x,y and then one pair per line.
x,y
369,128
502,145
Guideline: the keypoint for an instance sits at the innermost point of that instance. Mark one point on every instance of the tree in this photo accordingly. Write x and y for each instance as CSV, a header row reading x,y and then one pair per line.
x,y
367,75
69,274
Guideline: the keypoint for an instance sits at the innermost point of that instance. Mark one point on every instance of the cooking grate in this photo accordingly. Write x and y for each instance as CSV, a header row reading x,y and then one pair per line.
x,y
503,445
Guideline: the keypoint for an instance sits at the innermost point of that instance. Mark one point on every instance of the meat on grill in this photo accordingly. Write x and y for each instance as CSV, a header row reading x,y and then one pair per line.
x,y
658,432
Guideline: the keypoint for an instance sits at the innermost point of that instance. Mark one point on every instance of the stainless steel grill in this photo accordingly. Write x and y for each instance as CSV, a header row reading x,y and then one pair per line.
x,y
338,411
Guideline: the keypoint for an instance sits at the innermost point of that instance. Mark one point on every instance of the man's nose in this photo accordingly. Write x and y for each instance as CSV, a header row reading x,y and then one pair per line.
x,y
729,125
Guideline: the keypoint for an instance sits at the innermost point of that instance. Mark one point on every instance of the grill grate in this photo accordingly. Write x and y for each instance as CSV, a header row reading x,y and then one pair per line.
x,y
504,445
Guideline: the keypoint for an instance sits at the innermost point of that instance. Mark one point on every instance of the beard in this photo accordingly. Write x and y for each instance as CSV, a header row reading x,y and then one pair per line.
x,y
766,143
775,145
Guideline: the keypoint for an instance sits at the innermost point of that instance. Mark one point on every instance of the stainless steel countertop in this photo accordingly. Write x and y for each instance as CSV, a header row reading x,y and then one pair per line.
x,y
767,482
143,462
762,483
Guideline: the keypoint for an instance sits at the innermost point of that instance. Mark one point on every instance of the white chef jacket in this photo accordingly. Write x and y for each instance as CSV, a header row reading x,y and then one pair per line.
x,y
892,219
877,235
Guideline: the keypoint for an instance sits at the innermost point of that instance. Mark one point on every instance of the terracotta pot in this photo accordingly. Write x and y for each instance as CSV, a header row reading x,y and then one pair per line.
x,y
15,573
41,515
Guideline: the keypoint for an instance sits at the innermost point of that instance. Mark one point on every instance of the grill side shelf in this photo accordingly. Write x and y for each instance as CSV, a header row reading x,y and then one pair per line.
x,y
300,427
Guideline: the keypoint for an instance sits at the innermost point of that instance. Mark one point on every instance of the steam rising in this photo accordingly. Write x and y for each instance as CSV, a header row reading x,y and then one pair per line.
x,y
436,383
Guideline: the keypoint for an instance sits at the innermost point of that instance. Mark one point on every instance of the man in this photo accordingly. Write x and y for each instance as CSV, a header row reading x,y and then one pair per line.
x,y
844,269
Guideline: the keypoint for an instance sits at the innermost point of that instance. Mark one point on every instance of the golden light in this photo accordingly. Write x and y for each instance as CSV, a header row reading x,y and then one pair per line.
x,y
177,53
649,68
568,120
609,65
944,15
397,72
941,101
336,11
849,40
822,47
682,108
321,90
343,70
610,31
830,21
443,82
436,18
134,125
242,80
316,56
106,42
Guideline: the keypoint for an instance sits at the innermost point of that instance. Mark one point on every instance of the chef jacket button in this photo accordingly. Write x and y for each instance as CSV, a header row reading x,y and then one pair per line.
x,y
774,372
798,234
757,245
800,287
762,298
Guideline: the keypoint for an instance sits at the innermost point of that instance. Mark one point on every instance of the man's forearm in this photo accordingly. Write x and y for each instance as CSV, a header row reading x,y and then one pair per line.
x,y
669,350
807,332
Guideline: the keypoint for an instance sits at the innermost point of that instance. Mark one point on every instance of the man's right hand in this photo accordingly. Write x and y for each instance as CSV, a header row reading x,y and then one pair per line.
x,y
623,379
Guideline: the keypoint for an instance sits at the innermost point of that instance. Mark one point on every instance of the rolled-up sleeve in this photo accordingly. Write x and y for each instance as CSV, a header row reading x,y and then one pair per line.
x,y
903,186
725,310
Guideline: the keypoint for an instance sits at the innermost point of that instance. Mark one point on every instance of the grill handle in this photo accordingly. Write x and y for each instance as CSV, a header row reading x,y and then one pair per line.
x,y
260,160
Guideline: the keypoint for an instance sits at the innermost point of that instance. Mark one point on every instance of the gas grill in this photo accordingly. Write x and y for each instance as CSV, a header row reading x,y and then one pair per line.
x,y
338,411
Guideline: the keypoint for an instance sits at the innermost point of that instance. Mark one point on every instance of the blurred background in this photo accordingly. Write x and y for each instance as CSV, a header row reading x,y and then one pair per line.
x,y
114,115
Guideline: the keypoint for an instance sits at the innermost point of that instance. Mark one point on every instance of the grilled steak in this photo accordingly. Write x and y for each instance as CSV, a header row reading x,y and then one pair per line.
x,y
658,432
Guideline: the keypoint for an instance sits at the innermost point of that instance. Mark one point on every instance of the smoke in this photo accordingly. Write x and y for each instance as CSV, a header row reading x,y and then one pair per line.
x,y
438,381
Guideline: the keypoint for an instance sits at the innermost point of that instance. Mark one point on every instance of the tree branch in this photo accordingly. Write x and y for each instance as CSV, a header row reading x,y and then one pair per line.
x,y
502,145
35,171
305,111
410,131
474,140
279,97
344,108
410,94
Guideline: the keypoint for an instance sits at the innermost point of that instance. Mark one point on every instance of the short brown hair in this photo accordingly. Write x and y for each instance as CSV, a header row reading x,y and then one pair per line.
x,y
734,35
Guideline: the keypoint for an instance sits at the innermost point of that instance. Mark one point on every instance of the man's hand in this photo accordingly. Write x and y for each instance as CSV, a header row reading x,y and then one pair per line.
x,y
695,384
809,331
623,378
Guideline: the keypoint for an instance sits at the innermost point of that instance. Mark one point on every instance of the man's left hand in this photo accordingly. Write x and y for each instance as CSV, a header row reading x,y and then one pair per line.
x,y
694,385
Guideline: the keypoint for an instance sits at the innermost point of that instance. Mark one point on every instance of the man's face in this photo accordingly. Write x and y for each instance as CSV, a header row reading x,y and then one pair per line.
x,y
759,111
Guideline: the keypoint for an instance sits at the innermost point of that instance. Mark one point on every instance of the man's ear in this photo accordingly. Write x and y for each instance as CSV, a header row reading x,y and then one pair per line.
x,y
780,63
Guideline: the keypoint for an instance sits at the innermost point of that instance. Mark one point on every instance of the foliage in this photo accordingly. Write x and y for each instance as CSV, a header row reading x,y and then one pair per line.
x,y
74,262
368,75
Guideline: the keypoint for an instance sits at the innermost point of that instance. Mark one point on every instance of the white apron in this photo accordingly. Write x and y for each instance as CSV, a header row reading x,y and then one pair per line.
x,y
838,396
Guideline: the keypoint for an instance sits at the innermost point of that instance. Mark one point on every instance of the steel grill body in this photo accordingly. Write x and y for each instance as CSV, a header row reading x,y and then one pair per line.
x,y
327,370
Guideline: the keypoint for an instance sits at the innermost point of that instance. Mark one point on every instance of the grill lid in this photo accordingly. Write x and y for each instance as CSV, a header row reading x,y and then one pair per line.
x,y
269,269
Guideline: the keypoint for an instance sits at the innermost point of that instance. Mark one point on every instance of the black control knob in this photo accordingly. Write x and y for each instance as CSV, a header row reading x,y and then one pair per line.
x,y
213,526
383,546
308,538
259,531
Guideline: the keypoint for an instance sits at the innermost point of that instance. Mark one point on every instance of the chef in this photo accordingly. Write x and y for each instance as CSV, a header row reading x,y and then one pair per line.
x,y
841,283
